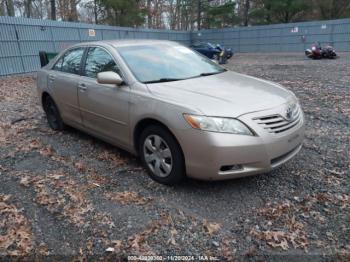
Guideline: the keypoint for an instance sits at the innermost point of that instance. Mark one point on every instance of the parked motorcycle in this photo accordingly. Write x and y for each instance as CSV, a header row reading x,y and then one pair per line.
x,y
317,52
328,52
229,51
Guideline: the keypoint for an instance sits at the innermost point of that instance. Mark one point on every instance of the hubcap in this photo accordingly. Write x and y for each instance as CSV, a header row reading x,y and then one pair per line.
x,y
157,155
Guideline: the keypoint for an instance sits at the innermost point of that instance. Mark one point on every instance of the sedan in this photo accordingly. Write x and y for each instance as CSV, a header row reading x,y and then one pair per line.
x,y
180,112
212,51
208,50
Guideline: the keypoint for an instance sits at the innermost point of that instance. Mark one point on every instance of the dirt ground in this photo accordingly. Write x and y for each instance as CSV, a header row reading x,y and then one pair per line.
x,y
69,196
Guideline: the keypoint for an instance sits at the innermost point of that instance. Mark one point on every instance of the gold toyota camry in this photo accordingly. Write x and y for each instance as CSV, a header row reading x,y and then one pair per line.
x,y
183,114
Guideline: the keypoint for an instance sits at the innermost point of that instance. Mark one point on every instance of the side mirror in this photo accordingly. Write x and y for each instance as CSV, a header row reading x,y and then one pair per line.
x,y
109,77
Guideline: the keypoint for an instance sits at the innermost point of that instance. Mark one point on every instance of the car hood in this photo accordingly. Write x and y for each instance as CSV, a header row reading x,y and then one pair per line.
x,y
228,94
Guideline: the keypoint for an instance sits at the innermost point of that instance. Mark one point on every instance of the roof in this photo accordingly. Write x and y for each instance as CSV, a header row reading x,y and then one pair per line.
x,y
129,42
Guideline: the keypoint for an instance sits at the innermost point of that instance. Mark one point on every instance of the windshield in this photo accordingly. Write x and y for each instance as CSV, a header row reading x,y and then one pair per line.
x,y
166,62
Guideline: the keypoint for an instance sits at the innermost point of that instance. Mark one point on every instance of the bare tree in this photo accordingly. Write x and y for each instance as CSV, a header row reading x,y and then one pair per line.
x,y
199,11
10,8
149,13
53,9
73,11
170,11
28,8
67,10
2,9
246,12
95,12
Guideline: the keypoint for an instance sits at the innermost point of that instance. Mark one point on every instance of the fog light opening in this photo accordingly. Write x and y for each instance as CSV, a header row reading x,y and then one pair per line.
x,y
231,168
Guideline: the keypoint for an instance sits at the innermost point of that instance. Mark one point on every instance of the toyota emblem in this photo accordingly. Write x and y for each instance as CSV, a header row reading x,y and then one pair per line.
x,y
289,113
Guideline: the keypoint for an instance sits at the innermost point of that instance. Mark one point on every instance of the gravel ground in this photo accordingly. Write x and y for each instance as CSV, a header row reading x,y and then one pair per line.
x,y
66,195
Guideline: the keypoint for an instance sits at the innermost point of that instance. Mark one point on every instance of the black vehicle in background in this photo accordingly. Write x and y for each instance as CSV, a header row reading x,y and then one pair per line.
x,y
212,51
207,49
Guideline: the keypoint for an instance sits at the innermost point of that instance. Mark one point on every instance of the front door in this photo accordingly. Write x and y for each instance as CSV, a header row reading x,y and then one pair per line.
x,y
104,108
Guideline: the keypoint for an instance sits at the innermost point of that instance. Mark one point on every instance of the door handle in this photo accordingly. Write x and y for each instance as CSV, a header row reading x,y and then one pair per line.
x,y
51,78
82,87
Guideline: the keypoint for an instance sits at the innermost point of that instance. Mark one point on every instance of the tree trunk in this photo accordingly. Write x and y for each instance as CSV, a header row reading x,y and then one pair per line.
x,y
149,14
158,14
286,17
246,12
178,14
10,8
28,8
199,10
2,8
109,17
116,18
73,10
95,12
53,9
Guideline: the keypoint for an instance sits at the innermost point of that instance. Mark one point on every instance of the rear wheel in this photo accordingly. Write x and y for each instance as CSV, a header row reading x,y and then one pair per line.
x,y
52,114
161,155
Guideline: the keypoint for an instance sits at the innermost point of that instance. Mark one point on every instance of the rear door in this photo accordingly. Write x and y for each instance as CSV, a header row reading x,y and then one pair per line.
x,y
104,108
63,82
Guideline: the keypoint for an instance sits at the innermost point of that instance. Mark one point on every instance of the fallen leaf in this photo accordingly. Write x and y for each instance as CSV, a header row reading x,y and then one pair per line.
x,y
211,228
128,197
80,166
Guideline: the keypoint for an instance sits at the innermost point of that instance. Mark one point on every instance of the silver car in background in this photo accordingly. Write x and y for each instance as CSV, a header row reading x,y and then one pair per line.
x,y
180,112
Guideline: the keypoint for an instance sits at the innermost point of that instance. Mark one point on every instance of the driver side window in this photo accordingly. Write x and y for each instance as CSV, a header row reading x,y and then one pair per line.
x,y
97,61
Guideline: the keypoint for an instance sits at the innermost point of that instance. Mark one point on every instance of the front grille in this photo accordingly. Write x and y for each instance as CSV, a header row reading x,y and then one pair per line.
x,y
278,124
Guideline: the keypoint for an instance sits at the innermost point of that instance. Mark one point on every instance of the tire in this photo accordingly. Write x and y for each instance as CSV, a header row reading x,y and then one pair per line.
x,y
161,155
52,114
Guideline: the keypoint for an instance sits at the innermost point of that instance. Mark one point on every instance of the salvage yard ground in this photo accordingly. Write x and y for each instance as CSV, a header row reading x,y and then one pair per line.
x,y
69,195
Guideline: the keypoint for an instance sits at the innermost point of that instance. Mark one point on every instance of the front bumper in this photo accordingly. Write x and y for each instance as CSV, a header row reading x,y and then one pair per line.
x,y
210,155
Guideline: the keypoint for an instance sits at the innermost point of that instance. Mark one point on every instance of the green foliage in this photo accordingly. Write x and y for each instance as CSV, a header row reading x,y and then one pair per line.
x,y
333,9
123,12
222,15
280,11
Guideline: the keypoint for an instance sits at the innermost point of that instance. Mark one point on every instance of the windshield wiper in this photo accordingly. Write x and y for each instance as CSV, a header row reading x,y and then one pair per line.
x,y
208,74
162,80
168,79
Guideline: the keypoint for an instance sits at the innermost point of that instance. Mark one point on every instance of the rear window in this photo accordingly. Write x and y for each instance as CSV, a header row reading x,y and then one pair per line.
x,y
70,61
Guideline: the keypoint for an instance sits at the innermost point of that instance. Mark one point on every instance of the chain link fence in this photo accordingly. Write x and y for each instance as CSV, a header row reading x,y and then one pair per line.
x,y
21,39
294,37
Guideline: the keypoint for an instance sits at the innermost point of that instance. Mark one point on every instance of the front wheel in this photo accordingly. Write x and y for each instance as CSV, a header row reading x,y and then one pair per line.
x,y
161,155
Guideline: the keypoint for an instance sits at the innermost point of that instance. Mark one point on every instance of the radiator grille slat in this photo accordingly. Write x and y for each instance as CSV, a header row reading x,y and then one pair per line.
x,y
278,124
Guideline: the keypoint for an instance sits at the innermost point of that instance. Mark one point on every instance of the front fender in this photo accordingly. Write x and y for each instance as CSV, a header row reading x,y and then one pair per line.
x,y
169,114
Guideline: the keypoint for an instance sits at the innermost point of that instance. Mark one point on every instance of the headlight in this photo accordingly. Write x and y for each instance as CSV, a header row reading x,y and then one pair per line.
x,y
218,124
313,48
